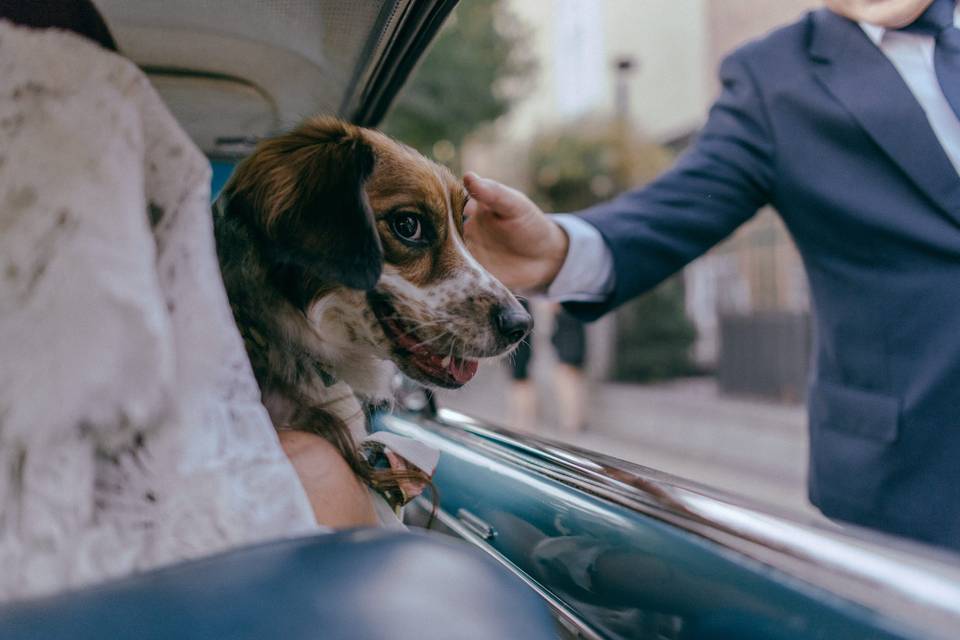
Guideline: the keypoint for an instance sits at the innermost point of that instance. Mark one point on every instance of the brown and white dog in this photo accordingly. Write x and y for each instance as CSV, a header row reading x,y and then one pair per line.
x,y
341,251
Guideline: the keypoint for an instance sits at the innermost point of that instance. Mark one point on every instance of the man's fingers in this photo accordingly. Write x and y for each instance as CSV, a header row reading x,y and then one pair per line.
x,y
486,192
490,194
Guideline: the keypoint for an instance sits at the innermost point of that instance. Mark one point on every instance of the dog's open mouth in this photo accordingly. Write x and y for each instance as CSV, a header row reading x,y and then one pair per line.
x,y
414,356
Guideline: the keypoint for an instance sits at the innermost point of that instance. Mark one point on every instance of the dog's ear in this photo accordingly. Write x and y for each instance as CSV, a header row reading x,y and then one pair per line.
x,y
304,191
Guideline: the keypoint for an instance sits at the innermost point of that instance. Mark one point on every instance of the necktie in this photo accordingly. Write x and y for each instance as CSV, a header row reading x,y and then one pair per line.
x,y
937,21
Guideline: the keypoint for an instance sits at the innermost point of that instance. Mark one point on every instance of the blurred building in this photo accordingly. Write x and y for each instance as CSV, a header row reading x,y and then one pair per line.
x,y
575,44
675,47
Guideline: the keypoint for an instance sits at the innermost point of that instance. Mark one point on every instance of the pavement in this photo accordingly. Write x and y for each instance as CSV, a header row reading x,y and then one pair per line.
x,y
686,427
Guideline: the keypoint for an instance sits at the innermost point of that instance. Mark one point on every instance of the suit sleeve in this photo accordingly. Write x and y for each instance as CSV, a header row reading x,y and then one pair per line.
x,y
717,185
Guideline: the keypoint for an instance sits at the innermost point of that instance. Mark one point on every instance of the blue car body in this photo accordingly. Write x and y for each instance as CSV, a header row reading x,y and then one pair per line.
x,y
620,551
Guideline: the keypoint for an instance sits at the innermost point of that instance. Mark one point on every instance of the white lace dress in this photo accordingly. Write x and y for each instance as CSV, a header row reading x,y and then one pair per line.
x,y
131,431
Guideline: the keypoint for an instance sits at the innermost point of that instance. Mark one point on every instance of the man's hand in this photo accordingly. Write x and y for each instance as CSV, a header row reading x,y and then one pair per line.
x,y
511,237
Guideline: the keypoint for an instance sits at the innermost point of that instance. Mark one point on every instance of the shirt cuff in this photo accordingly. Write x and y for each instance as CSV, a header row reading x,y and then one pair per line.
x,y
587,273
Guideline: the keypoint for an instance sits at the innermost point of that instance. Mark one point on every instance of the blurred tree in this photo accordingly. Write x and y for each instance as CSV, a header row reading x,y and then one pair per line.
x,y
580,165
654,336
588,161
470,76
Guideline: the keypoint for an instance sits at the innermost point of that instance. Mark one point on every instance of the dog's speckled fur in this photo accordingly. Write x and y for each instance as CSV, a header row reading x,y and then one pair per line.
x,y
305,243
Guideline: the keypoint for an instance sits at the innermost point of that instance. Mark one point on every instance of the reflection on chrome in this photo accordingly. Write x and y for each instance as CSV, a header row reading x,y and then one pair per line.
x,y
913,583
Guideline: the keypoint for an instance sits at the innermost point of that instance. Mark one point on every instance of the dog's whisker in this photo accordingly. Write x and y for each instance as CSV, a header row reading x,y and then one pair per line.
x,y
418,323
423,343
415,335
412,321
412,331
425,325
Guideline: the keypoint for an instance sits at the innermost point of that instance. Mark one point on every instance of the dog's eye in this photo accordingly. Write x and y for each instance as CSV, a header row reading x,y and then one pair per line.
x,y
407,227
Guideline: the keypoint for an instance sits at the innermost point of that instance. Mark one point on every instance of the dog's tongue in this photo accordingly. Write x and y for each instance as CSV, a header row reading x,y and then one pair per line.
x,y
462,370
459,369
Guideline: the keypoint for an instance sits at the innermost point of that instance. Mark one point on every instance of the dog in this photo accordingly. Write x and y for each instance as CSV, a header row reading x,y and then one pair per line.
x,y
343,257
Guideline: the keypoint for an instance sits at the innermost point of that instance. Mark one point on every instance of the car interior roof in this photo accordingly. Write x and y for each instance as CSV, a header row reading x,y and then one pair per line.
x,y
235,70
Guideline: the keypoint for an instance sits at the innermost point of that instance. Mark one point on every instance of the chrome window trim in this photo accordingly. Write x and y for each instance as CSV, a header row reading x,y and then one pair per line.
x,y
910,583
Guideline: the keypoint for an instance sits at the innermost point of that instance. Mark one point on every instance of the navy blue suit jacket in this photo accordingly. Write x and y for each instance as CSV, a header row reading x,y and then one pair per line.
x,y
816,121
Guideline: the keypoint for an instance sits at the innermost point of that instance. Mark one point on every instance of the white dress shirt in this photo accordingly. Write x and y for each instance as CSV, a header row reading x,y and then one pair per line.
x,y
587,274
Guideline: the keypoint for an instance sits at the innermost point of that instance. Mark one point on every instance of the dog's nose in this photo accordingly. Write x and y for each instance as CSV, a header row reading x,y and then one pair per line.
x,y
513,323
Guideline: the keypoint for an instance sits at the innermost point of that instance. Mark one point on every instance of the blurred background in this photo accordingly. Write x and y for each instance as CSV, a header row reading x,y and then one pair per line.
x,y
573,101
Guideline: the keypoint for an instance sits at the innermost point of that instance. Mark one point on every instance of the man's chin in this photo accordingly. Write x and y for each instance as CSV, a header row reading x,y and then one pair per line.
x,y
891,14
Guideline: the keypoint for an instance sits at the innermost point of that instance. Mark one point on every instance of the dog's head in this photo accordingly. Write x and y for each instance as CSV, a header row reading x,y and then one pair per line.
x,y
363,236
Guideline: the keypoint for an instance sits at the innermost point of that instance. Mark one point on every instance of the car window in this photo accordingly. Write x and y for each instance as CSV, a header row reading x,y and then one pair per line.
x,y
573,102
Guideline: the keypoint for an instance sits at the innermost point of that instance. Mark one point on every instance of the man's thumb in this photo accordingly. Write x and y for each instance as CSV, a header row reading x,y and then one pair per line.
x,y
490,193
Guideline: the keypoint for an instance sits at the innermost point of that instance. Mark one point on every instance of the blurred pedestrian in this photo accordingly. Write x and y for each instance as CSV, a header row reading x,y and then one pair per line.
x,y
570,343
847,122
522,411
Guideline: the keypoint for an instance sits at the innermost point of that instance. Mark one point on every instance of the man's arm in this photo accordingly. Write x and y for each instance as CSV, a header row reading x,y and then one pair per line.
x,y
650,233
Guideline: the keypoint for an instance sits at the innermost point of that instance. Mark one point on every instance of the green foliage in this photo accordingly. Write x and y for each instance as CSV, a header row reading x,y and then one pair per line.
x,y
654,336
572,172
464,81
581,164
576,167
